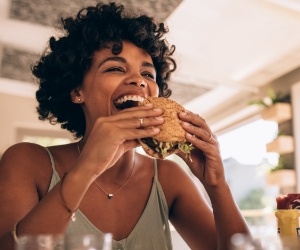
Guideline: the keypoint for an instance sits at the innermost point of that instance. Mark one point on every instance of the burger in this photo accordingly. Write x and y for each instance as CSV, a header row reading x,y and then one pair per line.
x,y
171,138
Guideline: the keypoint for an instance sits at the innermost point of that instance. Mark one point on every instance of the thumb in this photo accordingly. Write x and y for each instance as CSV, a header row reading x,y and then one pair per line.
x,y
130,145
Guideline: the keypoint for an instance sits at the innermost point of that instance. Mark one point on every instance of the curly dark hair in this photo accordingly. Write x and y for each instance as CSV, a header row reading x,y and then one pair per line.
x,y
64,63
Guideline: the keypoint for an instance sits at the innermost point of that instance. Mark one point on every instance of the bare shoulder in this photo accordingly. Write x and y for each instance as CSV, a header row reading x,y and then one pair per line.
x,y
25,172
24,147
172,178
22,153
25,161
169,169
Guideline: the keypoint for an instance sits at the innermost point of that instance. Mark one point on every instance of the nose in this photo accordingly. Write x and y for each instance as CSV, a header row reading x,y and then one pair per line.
x,y
138,81
141,83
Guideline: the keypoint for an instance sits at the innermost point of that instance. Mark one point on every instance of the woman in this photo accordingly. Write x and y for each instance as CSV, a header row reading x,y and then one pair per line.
x,y
100,183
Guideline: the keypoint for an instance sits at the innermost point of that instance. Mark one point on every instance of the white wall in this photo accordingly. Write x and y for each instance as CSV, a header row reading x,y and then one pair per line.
x,y
296,128
20,112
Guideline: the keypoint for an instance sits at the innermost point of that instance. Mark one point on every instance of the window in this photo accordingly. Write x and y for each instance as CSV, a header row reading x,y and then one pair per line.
x,y
45,140
44,137
246,163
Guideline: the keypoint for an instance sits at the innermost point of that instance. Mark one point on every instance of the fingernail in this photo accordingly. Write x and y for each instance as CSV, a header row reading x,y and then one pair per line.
x,y
185,124
148,104
157,109
159,118
183,113
188,135
155,129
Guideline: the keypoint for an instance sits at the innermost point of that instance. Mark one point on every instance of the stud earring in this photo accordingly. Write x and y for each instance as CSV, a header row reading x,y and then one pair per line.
x,y
79,100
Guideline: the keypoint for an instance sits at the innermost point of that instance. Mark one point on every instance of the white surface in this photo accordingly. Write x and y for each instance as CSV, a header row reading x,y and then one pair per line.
x,y
232,46
296,125
178,242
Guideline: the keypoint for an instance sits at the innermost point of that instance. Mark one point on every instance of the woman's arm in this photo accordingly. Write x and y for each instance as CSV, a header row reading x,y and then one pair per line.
x,y
23,168
206,164
199,224
227,215
189,212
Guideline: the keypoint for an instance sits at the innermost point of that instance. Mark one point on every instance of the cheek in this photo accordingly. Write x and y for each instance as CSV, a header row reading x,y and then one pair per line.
x,y
153,90
98,98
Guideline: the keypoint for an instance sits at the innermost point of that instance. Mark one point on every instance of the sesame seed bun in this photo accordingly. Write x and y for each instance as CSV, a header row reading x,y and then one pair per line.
x,y
171,131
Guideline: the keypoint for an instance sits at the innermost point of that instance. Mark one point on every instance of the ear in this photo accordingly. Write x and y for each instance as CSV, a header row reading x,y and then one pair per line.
x,y
76,96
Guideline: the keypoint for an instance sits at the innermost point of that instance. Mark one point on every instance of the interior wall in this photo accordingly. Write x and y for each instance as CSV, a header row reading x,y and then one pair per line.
x,y
20,112
296,125
227,119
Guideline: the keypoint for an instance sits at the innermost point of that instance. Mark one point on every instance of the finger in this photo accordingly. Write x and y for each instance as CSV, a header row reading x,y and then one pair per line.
x,y
149,121
130,144
204,132
210,137
194,119
131,134
132,121
199,143
137,113
198,132
135,122
141,121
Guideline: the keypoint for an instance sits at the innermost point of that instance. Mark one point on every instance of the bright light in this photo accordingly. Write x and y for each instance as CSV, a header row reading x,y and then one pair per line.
x,y
247,144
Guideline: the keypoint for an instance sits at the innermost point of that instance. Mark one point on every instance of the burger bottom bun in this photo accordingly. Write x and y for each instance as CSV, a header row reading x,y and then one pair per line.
x,y
149,151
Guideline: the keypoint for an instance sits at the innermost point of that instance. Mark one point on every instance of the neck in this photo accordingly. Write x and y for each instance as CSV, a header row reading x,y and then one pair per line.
x,y
124,163
121,168
117,176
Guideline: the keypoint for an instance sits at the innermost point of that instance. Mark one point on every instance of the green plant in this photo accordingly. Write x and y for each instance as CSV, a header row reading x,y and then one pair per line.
x,y
280,165
253,200
256,199
271,98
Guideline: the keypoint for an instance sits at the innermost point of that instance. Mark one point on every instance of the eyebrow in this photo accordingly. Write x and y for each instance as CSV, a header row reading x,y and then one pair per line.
x,y
112,58
122,60
147,64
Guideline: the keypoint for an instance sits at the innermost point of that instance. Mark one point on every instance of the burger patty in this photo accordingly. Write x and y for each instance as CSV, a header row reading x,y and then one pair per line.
x,y
159,146
163,148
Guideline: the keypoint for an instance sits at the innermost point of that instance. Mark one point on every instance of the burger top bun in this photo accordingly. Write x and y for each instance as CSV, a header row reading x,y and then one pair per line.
x,y
171,129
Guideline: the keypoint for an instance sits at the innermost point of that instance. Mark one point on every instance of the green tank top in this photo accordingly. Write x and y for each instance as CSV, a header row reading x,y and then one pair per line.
x,y
152,231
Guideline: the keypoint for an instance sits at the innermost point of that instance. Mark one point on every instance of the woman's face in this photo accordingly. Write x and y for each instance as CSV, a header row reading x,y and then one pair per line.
x,y
113,79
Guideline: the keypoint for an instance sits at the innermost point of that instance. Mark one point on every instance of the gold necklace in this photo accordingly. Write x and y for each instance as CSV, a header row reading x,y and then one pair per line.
x,y
111,195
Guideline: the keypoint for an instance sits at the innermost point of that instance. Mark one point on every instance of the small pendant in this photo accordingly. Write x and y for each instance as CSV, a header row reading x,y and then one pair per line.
x,y
73,217
110,196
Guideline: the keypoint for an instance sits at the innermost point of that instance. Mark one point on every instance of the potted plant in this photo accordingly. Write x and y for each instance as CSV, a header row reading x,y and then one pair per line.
x,y
282,144
275,109
281,175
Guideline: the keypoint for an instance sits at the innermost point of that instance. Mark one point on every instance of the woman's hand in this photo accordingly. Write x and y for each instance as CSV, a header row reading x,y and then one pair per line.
x,y
205,160
114,135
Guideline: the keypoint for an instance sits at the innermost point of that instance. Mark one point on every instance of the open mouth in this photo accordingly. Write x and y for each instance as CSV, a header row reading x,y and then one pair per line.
x,y
128,101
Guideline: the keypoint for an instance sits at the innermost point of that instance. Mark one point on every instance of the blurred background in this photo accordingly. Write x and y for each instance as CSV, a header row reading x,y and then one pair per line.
x,y
238,67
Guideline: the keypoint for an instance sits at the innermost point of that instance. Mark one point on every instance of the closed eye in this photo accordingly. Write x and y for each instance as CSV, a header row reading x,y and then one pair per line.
x,y
115,69
148,75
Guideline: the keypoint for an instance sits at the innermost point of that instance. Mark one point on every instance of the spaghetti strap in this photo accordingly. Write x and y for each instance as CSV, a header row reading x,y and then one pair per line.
x,y
51,159
55,177
155,168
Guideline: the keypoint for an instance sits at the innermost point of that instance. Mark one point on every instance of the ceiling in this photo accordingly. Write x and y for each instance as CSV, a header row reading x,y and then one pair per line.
x,y
226,50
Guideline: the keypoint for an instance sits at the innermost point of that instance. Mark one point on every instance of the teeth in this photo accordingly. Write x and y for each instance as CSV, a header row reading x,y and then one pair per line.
x,y
125,98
